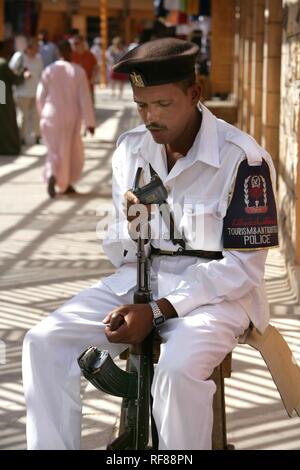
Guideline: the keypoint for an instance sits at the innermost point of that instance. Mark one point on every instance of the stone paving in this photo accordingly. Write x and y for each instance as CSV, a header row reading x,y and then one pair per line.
x,y
49,251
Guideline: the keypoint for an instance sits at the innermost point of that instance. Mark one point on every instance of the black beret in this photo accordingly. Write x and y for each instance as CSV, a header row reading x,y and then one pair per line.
x,y
158,62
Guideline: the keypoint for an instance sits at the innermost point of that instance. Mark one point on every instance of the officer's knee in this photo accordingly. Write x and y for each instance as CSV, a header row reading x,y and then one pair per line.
x,y
184,367
38,337
31,338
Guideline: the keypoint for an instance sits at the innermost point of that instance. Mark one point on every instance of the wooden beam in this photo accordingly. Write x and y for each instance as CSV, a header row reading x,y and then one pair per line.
x,y
222,46
104,39
297,203
1,20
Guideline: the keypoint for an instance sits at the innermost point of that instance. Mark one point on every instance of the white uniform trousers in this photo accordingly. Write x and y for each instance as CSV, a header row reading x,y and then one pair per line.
x,y
191,348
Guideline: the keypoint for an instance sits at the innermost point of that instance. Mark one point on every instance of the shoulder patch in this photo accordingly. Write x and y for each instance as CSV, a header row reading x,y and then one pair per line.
x,y
251,219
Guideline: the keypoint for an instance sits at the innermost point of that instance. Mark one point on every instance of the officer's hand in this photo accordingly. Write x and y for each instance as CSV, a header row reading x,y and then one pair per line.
x,y
130,201
137,215
135,324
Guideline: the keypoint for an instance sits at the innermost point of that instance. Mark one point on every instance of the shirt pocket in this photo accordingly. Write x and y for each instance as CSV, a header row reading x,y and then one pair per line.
x,y
202,223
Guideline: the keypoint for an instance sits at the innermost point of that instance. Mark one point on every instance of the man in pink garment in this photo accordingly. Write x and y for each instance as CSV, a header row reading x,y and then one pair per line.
x,y
63,102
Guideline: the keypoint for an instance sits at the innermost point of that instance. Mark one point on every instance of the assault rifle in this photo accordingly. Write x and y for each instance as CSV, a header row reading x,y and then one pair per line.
x,y
134,384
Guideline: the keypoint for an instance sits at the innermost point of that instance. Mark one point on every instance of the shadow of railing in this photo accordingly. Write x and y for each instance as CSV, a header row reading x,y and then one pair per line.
x,y
63,257
256,418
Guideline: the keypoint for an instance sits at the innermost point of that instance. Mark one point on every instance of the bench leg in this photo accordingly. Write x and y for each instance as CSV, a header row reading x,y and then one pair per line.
x,y
219,437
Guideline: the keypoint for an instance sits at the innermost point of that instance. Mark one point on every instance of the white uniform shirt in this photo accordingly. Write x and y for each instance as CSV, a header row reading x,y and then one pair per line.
x,y
201,183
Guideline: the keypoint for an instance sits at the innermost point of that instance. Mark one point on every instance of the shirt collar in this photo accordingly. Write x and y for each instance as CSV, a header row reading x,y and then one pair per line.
x,y
206,145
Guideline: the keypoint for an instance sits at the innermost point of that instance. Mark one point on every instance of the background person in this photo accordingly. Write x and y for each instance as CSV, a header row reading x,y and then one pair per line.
x,y
97,51
47,49
114,53
86,59
26,92
64,101
9,133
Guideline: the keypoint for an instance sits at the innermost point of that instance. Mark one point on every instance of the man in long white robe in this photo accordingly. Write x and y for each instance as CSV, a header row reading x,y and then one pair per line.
x,y
63,102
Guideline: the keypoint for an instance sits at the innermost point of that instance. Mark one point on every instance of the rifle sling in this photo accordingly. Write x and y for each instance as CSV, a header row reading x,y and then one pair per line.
x,y
214,255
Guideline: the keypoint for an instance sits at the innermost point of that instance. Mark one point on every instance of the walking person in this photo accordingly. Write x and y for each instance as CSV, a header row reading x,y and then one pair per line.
x,y
25,93
114,54
9,133
84,57
47,49
64,102
96,50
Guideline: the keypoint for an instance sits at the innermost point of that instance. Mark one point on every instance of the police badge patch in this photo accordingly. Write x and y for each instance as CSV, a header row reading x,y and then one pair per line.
x,y
251,219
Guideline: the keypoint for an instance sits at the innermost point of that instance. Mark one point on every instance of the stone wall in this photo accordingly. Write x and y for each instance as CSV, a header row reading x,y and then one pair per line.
x,y
289,171
258,58
222,46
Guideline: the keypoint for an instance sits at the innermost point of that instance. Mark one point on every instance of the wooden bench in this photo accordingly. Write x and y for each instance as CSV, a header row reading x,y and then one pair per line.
x,y
280,362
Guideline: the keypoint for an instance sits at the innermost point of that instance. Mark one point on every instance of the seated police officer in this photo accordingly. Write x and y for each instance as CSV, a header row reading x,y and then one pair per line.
x,y
207,283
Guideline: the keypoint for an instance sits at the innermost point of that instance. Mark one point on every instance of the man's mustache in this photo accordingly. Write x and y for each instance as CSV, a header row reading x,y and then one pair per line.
x,y
155,127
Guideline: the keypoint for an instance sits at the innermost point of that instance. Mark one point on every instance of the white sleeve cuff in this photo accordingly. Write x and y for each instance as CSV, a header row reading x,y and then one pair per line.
x,y
182,303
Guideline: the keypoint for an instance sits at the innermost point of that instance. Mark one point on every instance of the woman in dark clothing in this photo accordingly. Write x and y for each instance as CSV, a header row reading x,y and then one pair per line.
x,y
9,132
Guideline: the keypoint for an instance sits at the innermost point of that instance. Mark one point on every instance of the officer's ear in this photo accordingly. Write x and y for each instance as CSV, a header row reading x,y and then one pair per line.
x,y
196,93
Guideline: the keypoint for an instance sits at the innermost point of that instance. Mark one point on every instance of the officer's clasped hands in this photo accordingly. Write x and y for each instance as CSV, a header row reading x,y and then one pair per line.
x,y
132,322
